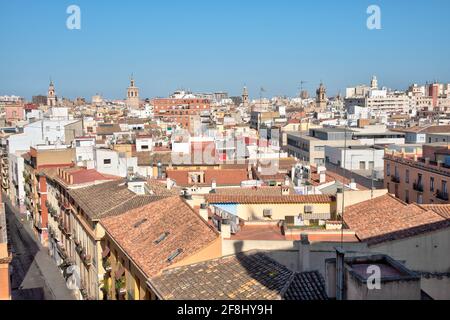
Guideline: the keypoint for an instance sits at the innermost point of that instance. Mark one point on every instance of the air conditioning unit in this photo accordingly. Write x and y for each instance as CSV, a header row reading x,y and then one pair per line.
x,y
308,209
267,213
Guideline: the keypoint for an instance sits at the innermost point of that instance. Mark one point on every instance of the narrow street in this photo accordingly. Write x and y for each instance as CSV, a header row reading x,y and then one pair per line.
x,y
34,275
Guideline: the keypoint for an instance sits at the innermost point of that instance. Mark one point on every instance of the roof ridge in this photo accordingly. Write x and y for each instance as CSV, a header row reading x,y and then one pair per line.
x,y
228,256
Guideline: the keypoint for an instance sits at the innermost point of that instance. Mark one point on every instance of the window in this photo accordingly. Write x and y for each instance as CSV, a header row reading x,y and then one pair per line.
x,y
308,209
106,161
419,198
432,184
144,147
388,169
407,196
419,179
444,187
362,165
407,176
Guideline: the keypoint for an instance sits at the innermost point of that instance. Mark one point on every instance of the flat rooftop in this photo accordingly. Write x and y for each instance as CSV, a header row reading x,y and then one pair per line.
x,y
264,232
386,270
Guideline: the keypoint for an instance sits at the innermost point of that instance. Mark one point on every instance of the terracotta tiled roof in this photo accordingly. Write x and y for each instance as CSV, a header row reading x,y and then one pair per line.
x,y
441,209
147,158
386,218
107,129
232,177
136,232
109,198
218,198
426,129
159,188
244,276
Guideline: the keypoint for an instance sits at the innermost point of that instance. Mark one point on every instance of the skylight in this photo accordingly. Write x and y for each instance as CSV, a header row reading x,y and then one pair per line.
x,y
137,224
162,237
175,254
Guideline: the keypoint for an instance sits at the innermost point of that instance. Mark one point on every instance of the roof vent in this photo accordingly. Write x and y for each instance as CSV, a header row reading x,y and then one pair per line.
x,y
175,254
137,224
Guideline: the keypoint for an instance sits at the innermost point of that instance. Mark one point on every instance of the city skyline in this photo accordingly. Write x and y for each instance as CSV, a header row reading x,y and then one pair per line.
x,y
208,47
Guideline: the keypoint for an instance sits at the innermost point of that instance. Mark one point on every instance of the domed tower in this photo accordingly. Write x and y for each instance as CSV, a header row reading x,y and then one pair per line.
x,y
51,96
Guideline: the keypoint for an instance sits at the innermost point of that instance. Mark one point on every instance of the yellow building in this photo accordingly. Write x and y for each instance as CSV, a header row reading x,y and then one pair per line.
x,y
141,243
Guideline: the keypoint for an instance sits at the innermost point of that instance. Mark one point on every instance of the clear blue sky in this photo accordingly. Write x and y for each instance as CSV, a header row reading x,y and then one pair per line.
x,y
207,45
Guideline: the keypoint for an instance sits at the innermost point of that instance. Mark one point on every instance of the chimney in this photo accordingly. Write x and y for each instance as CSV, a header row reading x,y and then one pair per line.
x,y
340,259
287,182
168,183
213,184
322,174
352,184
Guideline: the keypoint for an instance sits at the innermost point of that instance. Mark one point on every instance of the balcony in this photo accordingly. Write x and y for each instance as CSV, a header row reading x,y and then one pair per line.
x,y
442,195
418,186
87,259
66,230
107,265
120,285
395,179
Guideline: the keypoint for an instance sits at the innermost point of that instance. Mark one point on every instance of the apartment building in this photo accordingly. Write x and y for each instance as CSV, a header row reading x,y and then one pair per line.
x,y
416,234
79,200
355,157
418,179
114,162
180,110
5,257
418,134
385,104
35,184
310,148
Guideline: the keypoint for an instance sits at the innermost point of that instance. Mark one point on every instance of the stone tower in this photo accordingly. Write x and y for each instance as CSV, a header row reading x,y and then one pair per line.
x,y
245,97
51,96
133,95
374,83
321,98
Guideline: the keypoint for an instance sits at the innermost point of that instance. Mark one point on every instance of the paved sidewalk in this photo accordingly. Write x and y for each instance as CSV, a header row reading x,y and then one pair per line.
x,y
35,275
